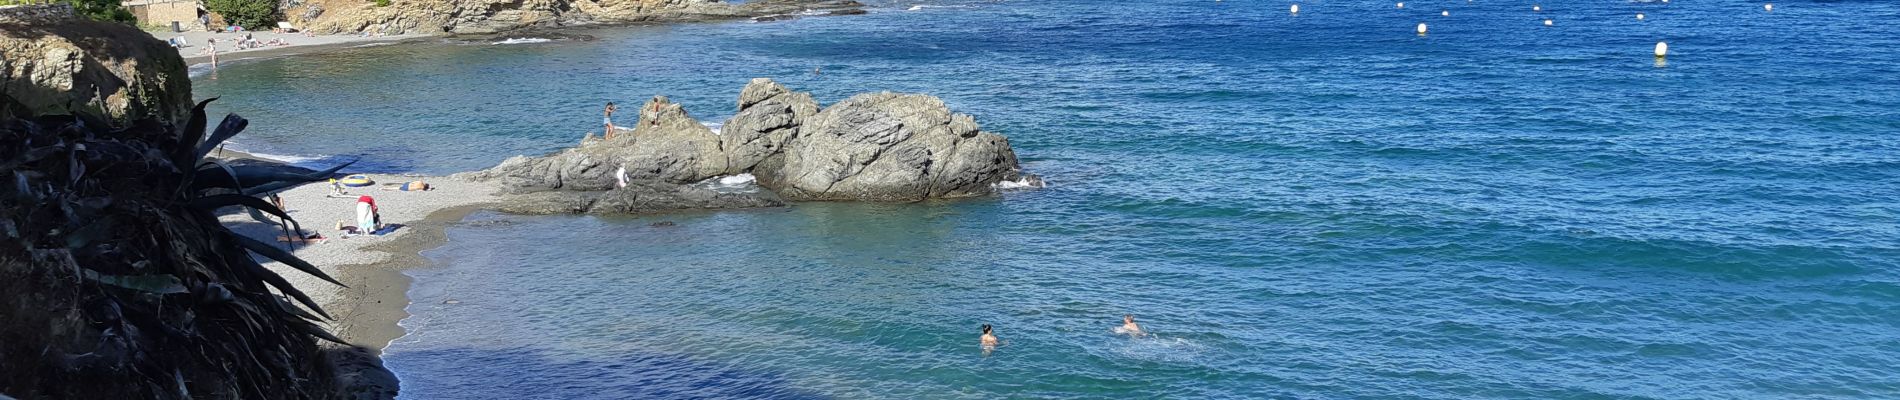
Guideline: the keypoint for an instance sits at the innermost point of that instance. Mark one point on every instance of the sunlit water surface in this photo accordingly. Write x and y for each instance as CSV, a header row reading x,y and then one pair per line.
x,y
1319,206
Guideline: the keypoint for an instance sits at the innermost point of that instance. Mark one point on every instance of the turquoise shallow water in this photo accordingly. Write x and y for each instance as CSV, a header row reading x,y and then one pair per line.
x,y
1320,206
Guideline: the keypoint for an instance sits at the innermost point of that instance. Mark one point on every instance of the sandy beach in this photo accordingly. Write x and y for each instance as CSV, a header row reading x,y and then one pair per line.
x,y
366,312
195,53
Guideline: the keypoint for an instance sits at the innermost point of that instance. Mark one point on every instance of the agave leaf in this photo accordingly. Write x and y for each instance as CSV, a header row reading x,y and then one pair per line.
x,y
270,187
284,257
194,130
212,178
294,310
156,283
232,125
317,331
210,204
251,176
282,285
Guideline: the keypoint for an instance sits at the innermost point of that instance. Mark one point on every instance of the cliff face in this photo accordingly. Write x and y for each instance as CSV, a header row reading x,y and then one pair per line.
x,y
491,16
56,63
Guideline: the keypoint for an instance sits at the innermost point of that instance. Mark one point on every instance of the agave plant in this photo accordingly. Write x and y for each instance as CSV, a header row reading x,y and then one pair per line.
x,y
118,281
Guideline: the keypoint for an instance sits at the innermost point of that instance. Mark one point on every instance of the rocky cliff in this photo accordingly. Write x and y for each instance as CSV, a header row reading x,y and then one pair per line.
x,y
870,147
491,16
56,63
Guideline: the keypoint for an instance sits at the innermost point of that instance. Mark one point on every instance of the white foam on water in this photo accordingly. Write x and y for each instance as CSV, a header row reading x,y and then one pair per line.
x,y
372,45
1025,182
1157,348
524,40
737,180
714,126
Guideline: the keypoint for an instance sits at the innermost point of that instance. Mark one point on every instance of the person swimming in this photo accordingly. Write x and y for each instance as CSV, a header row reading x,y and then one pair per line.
x,y
1129,326
988,339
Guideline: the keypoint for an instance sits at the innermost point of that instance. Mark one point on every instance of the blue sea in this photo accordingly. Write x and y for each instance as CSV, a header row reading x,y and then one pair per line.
x,y
1321,205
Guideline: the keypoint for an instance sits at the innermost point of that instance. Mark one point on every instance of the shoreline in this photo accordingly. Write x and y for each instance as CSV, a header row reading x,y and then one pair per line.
x,y
366,312
299,44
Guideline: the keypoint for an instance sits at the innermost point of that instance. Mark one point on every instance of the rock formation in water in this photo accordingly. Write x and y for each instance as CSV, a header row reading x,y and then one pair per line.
x,y
871,147
57,63
492,16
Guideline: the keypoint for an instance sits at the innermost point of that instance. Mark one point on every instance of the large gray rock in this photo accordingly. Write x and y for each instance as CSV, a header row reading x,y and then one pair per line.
x,y
666,145
769,116
871,147
892,147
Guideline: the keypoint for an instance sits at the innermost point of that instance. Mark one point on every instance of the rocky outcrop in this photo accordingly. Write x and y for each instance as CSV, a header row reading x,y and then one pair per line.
x,y
671,148
53,64
892,147
769,116
491,16
871,147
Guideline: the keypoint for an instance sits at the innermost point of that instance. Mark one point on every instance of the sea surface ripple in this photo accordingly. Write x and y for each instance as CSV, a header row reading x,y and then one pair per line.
x,y
1324,205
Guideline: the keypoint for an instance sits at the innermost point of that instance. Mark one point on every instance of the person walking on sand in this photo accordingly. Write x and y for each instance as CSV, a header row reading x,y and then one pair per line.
x,y
609,120
211,47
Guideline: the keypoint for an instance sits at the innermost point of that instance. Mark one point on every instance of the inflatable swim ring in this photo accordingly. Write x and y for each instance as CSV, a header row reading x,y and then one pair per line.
x,y
356,181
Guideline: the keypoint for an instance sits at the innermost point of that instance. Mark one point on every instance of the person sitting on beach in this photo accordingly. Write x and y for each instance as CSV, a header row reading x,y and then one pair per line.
x,y
609,120
368,218
1129,326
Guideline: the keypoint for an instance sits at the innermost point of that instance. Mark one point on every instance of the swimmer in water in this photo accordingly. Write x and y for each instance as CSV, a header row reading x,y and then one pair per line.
x,y
989,340
1129,326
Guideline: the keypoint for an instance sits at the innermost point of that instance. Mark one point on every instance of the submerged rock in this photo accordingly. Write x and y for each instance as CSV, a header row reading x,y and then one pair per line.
x,y
640,198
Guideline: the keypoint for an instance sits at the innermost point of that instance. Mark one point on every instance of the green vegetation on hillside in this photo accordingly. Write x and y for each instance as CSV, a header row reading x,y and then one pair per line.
x,y
250,14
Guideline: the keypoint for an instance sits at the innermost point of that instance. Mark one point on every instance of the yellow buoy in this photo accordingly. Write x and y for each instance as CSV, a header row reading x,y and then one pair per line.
x,y
1421,28
1662,49
1296,9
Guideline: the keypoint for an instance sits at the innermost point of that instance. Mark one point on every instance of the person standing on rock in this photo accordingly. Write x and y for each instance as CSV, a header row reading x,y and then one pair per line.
x,y
609,120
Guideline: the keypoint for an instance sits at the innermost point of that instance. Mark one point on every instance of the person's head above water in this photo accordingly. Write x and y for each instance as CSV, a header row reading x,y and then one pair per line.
x,y
1128,318
986,329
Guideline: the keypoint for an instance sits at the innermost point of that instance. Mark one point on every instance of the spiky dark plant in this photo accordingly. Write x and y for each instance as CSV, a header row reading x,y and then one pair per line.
x,y
118,281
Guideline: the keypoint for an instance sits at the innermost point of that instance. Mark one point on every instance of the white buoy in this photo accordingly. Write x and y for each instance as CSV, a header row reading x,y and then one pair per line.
x,y
1547,22
1662,49
1535,7
1769,7
1421,28
1401,4
1445,13
1296,9
1639,16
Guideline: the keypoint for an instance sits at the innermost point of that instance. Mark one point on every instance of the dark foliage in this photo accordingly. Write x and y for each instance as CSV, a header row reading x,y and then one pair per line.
x,y
118,281
250,14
